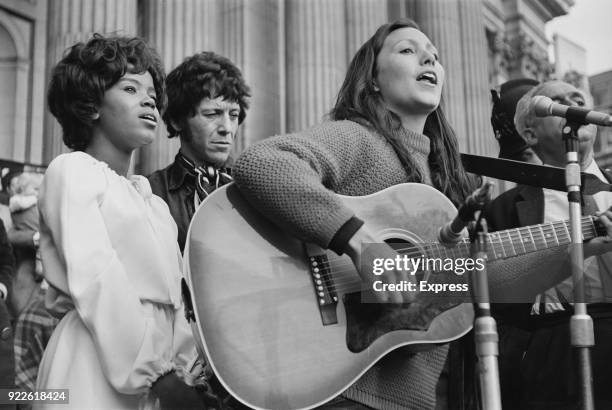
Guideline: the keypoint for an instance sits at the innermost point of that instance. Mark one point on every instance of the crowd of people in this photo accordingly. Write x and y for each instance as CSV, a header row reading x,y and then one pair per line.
x,y
91,256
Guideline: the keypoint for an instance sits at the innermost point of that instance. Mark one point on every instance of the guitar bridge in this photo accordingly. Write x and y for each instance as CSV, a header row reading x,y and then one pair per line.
x,y
322,281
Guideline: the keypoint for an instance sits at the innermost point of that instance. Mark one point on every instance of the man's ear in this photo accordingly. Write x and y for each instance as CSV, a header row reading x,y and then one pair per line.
x,y
530,137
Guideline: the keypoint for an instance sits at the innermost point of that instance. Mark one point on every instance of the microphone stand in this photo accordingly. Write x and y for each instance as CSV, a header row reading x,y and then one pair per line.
x,y
581,324
485,328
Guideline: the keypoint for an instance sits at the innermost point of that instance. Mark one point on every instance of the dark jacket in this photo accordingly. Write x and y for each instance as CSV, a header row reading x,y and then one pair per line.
x,y
175,184
531,348
517,207
176,187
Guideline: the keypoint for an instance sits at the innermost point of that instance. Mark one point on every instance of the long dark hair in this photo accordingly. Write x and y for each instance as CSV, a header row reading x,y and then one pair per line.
x,y
358,101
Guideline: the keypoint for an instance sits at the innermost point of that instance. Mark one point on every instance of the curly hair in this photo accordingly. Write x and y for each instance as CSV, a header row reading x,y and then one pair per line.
x,y
358,101
87,70
203,75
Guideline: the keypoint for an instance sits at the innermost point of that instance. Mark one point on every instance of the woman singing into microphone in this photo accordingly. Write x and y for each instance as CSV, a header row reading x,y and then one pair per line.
x,y
386,128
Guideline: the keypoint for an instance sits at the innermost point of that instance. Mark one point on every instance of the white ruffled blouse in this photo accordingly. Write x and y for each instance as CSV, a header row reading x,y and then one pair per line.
x,y
109,251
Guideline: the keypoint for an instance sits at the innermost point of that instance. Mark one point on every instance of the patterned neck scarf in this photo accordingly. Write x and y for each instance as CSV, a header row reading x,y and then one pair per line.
x,y
207,177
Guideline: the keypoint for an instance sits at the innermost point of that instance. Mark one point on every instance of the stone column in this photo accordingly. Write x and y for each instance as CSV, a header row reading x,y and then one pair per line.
x,y
71,21
180,28
457,29
15,63
22,139
247,32
253,42
363,17
177,29
397,9
315,59
440,20
480,139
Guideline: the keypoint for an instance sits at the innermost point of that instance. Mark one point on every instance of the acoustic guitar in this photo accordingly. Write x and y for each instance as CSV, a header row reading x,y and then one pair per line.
x,y
281,321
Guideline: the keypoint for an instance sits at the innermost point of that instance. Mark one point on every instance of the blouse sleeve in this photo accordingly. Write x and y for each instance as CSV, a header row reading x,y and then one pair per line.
x,y
189,364
123,332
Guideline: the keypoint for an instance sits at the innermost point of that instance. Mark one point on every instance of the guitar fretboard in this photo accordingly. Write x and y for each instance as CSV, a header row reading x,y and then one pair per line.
x,y
519,241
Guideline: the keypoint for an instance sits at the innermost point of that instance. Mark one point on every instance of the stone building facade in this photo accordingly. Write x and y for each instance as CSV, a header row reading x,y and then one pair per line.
x,y
601,90
294,54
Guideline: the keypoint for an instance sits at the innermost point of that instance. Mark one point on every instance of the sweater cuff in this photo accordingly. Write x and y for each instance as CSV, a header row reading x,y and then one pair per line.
x,y
344,234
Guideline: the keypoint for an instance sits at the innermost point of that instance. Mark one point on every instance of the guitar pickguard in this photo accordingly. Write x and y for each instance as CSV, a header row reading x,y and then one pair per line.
x,y
366,322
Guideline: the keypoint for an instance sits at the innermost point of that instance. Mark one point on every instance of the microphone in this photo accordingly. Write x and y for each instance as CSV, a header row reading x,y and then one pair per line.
x,y
450,234
545,107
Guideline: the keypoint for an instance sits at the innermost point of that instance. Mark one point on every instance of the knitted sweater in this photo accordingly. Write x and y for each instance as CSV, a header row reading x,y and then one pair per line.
x,y
292,180
284,176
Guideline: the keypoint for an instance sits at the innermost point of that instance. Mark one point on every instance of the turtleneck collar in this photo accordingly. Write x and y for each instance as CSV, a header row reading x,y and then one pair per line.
x,y
416,142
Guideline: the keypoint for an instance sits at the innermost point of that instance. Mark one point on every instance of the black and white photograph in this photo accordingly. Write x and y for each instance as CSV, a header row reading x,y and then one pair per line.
x,y
306,204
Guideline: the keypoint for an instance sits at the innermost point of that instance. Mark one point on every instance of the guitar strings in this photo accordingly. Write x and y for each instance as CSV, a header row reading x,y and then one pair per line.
x,y
340,278
353,279
437,249
515,239
443,249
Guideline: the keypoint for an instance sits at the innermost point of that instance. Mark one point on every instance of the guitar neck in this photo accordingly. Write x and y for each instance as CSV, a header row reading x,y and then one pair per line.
x,y
520,241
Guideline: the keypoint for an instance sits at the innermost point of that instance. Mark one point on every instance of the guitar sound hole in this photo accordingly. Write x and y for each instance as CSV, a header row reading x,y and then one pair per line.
x,y
404,247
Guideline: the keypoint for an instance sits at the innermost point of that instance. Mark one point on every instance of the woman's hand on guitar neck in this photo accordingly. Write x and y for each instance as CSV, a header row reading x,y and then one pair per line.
x,y
363,257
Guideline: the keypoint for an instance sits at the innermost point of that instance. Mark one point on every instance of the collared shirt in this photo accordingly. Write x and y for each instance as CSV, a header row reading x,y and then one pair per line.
x,y
596,268
176,186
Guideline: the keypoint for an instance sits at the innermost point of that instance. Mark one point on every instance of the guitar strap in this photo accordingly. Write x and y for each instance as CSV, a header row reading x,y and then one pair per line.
x,y
524,173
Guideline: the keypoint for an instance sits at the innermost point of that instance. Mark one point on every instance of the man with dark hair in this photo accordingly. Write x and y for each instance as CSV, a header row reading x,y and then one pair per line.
x,y
207,101
512,338
511,144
